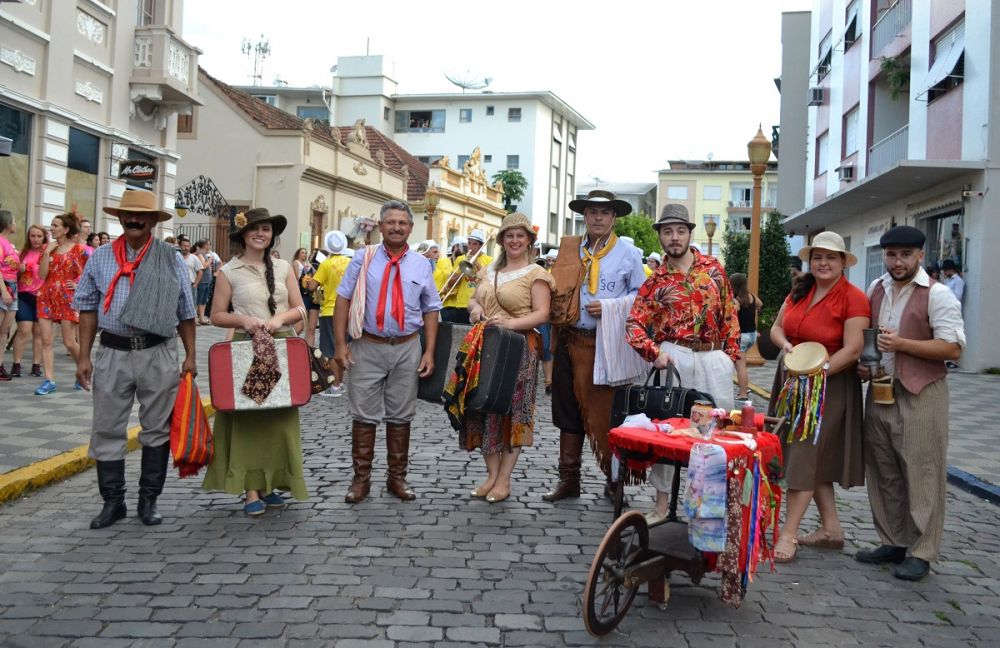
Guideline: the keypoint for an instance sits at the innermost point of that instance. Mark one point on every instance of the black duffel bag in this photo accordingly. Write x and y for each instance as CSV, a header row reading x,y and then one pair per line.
x,y
656,401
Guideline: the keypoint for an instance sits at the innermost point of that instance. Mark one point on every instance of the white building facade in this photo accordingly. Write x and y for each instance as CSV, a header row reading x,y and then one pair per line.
x,y
84,86
901,129
533,132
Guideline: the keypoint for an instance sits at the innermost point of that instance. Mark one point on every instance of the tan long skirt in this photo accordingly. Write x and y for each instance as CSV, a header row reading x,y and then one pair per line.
x,y
838,455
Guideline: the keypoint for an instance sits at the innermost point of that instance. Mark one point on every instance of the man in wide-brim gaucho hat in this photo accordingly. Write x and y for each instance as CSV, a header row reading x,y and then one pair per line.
x,y
610,270
136,292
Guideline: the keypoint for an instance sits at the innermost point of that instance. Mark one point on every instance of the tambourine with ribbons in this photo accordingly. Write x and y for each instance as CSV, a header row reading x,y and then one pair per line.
x,y
803,395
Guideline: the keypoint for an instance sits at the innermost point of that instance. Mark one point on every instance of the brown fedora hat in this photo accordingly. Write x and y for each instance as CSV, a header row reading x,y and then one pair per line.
x,y
138,201
243,220
673,213
601,198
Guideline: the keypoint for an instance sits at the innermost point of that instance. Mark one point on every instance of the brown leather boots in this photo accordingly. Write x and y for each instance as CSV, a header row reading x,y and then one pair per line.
x,y
570,458
362,453
397,442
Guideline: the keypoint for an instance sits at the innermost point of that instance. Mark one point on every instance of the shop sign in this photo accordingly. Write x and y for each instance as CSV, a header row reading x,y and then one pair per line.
x,y
137,170
876,230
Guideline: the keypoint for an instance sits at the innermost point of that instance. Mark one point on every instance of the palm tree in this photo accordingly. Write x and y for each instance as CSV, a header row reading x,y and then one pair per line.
x,y
514,183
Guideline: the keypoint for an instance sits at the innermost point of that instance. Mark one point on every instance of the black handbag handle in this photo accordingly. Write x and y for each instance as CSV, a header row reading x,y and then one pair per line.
x,y
672,373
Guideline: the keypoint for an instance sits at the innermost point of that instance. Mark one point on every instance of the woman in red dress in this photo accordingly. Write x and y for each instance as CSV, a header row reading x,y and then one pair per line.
x,y
823,307
61,266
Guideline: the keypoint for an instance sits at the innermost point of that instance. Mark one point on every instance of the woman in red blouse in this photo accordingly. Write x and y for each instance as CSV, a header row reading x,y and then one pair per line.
x,y
823,307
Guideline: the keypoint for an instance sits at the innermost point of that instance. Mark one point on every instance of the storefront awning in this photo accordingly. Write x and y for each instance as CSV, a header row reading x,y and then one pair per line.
x,y
907,178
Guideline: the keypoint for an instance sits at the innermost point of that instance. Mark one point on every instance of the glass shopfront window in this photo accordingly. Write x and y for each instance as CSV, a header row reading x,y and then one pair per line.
x,y
16,125
945,239
81,177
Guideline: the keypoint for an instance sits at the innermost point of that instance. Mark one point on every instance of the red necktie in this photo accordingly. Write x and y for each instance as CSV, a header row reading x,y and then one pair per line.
x,y
398,304
125,268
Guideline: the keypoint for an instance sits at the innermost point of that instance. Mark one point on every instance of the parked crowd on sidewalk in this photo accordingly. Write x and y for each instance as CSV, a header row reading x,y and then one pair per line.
x,y
593,314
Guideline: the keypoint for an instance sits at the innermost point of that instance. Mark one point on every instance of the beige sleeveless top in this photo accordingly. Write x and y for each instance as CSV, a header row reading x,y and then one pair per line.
x,y
250,287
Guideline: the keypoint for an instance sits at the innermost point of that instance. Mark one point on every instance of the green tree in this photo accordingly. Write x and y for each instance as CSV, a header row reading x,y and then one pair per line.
x,y
640,228
775,281
514,184
735,250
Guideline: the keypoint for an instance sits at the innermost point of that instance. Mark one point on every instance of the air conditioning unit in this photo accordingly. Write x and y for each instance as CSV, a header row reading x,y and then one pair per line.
x,y
845,173
815,96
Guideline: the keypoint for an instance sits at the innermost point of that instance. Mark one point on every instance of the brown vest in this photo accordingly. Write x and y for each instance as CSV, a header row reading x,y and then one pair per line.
x,y
914,373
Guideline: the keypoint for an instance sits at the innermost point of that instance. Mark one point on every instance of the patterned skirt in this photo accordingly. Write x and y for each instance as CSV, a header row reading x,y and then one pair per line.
x,y
492,433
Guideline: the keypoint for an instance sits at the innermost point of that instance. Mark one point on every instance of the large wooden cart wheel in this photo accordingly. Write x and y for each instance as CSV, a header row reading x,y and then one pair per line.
x,y
608,597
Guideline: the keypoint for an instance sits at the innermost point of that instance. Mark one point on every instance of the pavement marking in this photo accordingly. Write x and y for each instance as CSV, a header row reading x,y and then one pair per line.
x,y
17,482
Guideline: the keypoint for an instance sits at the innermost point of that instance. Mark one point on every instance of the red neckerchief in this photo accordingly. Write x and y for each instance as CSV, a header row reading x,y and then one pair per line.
x,y
125,267
398,305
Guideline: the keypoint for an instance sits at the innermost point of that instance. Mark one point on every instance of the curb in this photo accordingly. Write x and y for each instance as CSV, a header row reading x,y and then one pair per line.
x,y
974,485
17,482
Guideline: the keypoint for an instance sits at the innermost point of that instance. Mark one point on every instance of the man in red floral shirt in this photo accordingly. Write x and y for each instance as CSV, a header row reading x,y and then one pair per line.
x,y
685,315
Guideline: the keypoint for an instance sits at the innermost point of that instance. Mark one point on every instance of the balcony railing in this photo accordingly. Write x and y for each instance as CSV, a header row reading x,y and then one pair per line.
x,y
165,64
891,24
886,152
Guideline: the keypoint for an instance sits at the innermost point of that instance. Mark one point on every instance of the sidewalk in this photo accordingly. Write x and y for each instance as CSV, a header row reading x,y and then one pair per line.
x,y
34,429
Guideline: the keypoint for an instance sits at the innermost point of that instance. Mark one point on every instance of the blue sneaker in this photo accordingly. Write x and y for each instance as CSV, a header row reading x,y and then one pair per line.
x,y
254,508
274,500
47,387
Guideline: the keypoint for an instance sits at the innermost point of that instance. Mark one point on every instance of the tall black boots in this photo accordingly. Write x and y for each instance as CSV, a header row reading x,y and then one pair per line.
x,y
154,473
111,484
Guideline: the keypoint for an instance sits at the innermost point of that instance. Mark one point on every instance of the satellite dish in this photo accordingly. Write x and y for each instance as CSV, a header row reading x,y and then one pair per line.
x,y
468,81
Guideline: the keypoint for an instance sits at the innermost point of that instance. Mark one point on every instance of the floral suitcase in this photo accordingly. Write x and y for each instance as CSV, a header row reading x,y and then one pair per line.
x,y
228,363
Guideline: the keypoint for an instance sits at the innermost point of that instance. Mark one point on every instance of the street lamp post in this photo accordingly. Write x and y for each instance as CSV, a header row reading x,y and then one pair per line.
x,y
759,152
710,226
431,200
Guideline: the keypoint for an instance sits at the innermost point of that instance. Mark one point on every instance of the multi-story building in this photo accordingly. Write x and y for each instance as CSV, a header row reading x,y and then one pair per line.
x,y
720,191
84,86
533,132
901,130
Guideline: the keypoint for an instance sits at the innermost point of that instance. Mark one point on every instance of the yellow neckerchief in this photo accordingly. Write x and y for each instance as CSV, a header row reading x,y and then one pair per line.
x,y
592,262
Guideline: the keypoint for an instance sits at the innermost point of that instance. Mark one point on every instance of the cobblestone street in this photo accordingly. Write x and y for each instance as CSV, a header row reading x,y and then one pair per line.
x,y
443,570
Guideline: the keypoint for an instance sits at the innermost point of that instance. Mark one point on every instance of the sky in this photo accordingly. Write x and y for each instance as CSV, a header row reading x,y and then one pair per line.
x,y
659,79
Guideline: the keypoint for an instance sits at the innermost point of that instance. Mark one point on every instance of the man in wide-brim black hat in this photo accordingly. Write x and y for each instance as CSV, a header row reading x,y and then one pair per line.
x,y
610,270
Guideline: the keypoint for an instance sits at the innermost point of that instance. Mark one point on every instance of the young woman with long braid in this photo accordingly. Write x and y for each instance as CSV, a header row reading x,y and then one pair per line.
x,y
259,451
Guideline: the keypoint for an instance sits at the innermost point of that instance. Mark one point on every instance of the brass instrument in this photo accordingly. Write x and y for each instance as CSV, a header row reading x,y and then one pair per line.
x,y
467,270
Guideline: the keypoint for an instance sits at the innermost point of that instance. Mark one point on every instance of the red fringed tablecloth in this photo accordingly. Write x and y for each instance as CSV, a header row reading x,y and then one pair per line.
x,y
647,447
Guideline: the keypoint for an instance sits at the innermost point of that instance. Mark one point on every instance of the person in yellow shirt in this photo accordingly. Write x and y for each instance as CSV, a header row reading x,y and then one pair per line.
x,y
456,307
652,263
328,277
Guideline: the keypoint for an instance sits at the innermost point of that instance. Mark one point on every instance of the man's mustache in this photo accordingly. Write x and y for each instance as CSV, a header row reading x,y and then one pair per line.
x,y
134,225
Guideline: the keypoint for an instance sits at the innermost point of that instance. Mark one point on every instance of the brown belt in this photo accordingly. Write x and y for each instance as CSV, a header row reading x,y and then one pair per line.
x,y
697,347
582,332
391,340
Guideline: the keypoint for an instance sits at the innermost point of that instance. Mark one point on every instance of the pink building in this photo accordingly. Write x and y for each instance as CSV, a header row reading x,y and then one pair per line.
x,y
899,129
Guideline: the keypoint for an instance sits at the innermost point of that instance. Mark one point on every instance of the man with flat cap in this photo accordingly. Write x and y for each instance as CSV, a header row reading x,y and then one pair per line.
x,y
686,315
137,293
610,269
906,442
